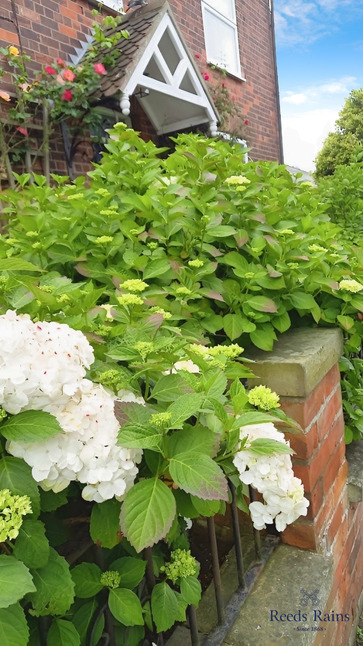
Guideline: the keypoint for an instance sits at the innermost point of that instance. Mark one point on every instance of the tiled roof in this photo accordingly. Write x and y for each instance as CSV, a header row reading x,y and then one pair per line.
x,y
140,25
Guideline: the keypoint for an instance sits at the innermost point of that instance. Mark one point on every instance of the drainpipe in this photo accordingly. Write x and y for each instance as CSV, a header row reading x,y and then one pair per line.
x,y
277,91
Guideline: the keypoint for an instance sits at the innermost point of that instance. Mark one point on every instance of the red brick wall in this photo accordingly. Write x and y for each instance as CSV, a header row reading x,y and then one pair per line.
x,y
51,28
256,96
333,525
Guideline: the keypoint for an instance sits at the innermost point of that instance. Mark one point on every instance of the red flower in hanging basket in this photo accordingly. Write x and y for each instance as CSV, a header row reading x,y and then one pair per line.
x,y
206,76
61,62
197,56
50,70
99,68
67,95
246,122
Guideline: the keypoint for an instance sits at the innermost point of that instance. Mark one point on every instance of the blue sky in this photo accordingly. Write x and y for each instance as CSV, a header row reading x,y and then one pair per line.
x,y
320,60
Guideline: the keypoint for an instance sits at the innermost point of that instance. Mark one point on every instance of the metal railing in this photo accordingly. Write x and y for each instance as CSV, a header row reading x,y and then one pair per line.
x,y
225,614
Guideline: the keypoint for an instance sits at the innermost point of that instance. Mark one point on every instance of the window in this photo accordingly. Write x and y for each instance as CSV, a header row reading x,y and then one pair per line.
x,y
113,4
220,34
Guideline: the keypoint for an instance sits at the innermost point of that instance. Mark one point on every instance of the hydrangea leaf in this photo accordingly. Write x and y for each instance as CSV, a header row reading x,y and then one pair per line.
x,y
86,577
31,426
167,606
54,593
83,617
233,326
191,590
14,629
183,408
198,474
105,524
63,633
15,581
132,571
125,607
139,436
16,476
32,546
147,513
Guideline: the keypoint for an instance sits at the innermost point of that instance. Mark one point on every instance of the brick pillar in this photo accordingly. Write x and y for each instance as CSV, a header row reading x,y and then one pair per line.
x,y
303,370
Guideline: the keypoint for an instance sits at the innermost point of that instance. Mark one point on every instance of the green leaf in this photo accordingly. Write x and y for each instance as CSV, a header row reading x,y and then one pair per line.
x,y
254,417
233,326
16,476
264,337
183,408
191,590
31,426
32,546
156,268
169,388
105,523
15,581
167,606
132,571
266,446
54,593
140,436
83,617
346,321
194,438
281,323
302,301
50,501
147,513
198,474
14,629
206,507
86,577
17,264
220,231
262,304
214,382
126,607
63,633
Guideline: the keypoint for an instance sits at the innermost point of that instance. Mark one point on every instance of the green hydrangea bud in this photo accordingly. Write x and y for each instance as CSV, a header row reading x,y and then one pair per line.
x,y
161,420
12,510
263,397
144,348
110,579
181,565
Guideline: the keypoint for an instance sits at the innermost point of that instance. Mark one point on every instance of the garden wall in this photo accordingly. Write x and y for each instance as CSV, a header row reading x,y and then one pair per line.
x,y
303,369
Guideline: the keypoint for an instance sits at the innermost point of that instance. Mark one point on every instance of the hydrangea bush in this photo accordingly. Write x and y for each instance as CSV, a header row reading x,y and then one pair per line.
x,y
126,304
147,450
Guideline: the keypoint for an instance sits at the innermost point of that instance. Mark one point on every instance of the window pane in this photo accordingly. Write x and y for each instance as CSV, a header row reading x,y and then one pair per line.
x,y
224,7
114,4
221,42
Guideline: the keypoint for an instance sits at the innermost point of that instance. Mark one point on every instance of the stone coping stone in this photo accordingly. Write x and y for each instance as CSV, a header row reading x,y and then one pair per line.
x,y
354,454
299,361
279,588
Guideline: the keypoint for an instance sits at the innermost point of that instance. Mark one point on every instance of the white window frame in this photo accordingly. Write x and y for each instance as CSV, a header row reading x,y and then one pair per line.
x,y
116,5
207,8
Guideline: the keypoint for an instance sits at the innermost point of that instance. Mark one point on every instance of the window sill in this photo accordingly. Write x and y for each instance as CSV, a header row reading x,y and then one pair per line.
x,y
235,77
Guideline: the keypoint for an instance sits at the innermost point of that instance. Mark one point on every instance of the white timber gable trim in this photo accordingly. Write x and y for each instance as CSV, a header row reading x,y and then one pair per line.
x,y
170,73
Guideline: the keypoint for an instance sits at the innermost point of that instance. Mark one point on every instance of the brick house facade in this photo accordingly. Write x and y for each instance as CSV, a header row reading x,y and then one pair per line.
x,y
47,29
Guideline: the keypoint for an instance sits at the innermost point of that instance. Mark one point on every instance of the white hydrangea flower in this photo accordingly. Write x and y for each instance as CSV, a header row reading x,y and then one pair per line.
x,y
87,450
184,364
39,362
273,477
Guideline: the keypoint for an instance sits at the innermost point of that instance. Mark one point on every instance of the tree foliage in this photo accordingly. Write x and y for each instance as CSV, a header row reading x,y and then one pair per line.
x,y
342,146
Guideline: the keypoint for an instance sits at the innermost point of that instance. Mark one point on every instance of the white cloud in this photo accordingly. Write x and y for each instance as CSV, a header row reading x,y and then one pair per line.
x,y
301,22
314,95
295,99
303,135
